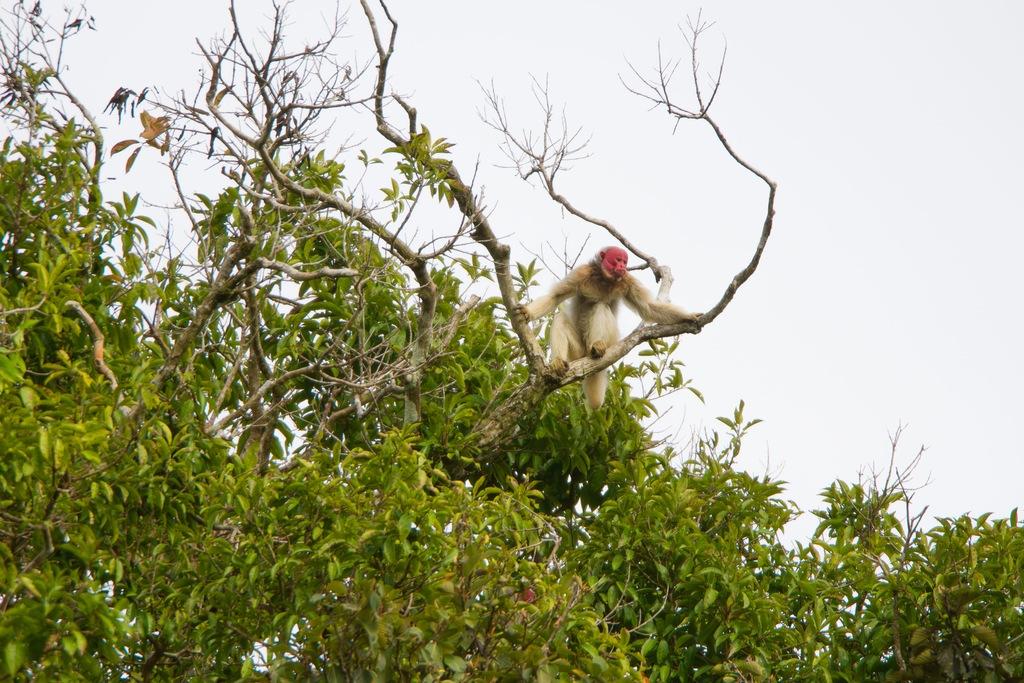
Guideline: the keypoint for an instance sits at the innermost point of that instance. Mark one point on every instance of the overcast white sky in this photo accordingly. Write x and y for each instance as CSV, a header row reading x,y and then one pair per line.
x,y
889,292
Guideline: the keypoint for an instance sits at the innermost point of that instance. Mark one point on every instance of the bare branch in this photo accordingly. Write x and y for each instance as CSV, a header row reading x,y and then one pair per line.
x,y
656,90
482,231
97,341
544,156
17,311
305,275
547,154
254,400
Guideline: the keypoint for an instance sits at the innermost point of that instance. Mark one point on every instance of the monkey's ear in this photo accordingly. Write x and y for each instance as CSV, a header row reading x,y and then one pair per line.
x,y
601,253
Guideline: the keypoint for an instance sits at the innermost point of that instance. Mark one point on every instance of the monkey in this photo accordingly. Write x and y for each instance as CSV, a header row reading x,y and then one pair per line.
x,y
588,324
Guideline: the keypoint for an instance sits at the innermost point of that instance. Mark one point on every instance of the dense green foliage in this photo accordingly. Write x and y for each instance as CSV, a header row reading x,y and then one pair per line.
x,y
171,528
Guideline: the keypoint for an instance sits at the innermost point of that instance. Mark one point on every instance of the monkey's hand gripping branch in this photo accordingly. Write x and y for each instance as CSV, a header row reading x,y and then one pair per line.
x,y
579,369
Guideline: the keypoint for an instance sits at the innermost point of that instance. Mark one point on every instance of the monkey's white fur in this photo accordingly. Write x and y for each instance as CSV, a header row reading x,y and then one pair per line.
x,y
588,323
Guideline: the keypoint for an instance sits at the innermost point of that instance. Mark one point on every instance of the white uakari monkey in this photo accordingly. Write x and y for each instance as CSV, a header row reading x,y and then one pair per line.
x,y
588,323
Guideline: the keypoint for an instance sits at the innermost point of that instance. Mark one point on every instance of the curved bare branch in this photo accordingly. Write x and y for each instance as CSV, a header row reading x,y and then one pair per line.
x,y
544,156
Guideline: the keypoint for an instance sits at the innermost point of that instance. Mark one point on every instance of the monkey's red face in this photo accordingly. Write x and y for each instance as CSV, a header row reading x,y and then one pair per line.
x,y
613,262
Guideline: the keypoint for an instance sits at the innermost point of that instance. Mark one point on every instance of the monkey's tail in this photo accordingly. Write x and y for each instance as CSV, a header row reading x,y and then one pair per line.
x,y
594,387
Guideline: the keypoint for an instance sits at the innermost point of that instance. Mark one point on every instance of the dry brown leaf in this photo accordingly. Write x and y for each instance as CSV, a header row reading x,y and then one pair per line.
x,y
121,146
153,126
131,159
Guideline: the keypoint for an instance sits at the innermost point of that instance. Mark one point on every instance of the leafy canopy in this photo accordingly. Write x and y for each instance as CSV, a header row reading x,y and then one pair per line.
x,y
208,469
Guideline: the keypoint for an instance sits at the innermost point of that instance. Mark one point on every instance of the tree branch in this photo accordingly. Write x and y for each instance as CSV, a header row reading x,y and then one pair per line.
x,y
545,155
97,341
482,231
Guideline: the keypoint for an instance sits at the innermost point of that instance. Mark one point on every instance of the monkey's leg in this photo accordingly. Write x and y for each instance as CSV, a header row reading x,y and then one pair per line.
x,y
594,387
603,331
566,345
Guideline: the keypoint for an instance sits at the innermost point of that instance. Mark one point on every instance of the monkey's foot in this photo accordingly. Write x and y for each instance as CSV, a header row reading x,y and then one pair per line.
x,y
597,349
559,366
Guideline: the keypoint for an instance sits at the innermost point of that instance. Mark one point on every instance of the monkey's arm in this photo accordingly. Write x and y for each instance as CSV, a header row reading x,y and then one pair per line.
x,y
653,311
559,293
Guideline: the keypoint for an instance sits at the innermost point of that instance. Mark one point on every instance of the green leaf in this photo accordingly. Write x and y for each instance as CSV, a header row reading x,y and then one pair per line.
x,y
29,585
14,656
455,663
29,397
662,652
918,637
12,368
986,635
